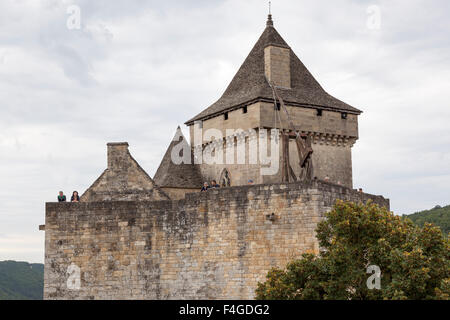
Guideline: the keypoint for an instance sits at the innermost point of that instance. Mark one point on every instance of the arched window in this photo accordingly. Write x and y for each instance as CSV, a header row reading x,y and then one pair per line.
x,y
225,178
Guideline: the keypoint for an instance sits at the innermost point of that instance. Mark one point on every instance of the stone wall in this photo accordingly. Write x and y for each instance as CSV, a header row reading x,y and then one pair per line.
x,y
332,136
212,245
332,158
330,123
241,168
261,115
179,193
237,119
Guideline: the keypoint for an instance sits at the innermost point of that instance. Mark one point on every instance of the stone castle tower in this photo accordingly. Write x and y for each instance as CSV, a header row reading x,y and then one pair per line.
x,y
137,237
247,106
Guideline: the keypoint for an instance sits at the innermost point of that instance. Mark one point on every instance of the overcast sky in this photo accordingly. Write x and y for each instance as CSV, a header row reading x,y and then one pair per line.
x,y
136,69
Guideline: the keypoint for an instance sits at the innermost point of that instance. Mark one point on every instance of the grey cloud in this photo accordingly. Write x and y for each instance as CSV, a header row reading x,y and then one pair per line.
x,y
137,69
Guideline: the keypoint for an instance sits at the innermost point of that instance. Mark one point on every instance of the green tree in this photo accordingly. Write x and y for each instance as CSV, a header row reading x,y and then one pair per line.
x,y
439,216
414,261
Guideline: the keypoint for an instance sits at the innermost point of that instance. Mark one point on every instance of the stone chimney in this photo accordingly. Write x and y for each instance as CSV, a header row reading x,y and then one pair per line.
x,y
277,63
118,155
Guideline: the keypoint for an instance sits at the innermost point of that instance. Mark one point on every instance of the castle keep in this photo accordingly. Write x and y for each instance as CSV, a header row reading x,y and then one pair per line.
x,y
247,106
137,237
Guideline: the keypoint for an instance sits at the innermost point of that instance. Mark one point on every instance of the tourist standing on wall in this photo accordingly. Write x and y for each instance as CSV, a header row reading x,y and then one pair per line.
x,y
205,187
61,197
214,184
75,197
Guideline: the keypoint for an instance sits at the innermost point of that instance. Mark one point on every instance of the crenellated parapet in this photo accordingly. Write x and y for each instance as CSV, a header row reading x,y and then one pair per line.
x,y
333,140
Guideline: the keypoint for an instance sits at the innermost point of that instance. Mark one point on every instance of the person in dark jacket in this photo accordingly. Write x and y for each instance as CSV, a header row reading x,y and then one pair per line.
x,y
75,197
214,184
205,187
61,197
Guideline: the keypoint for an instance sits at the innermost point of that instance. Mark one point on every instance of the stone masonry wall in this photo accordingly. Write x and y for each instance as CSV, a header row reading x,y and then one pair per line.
x,y
179,193
213,245
332,158
333,137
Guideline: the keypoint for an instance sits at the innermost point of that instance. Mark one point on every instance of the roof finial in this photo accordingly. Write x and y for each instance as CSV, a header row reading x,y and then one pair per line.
x,y
269,18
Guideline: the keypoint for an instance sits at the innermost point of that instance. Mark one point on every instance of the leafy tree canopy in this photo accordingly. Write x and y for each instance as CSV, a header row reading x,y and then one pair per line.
x,y
414,261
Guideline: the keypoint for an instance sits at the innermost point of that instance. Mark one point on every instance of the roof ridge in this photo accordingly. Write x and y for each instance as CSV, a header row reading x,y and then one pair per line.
x,y
154,185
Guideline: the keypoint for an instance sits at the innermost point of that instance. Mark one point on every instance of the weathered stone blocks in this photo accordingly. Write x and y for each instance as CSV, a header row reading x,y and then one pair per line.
x,y
211,245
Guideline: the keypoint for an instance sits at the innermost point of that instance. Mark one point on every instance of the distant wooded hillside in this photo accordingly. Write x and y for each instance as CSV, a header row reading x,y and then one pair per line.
x,y
439,216
21,280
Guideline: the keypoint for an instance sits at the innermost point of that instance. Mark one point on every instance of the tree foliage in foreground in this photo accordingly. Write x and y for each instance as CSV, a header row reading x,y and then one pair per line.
x,y
414,261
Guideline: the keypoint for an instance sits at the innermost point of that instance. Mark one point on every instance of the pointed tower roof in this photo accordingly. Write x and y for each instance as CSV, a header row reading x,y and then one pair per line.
x,y
249,85
172,175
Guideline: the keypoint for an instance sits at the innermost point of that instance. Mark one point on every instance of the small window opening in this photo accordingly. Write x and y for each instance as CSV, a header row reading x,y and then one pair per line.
x,y
344,115
226,115
278,106
244,110
319,112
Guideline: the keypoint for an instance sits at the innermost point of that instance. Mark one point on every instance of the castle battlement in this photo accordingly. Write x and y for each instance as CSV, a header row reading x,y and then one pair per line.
x,y
212,245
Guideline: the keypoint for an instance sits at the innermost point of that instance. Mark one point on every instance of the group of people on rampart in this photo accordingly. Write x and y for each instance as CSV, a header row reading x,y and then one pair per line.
x,y
75,197
215,185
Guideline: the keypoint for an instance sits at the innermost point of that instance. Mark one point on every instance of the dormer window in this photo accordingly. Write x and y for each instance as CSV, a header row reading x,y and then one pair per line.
x,y
225,116
319,112
344,115
244,109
